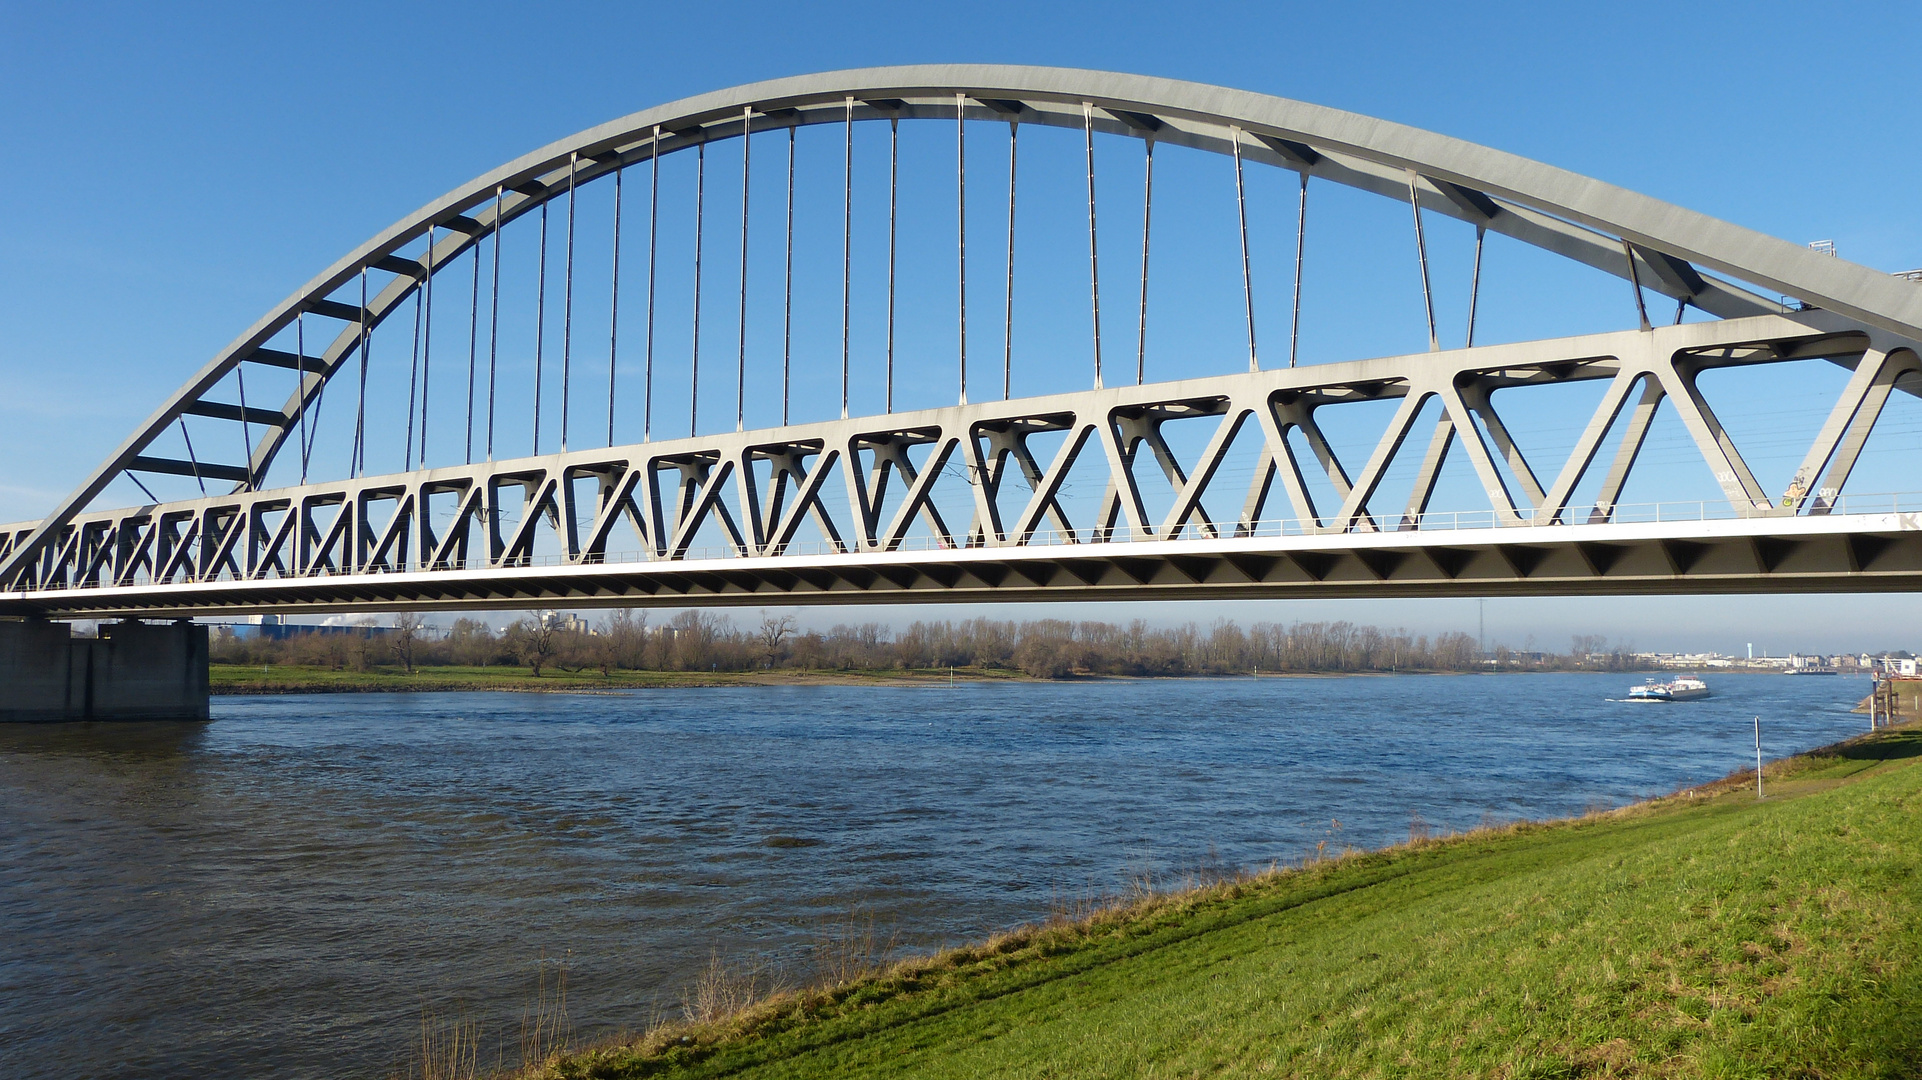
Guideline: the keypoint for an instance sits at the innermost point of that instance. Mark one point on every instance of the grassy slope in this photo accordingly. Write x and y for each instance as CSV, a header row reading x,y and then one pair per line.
x,y
1704,935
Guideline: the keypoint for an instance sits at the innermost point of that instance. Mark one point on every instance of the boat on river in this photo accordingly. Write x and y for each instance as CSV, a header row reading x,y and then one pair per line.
x,y
1685,688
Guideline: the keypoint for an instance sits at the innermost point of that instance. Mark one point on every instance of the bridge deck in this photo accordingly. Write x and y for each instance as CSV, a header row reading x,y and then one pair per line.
x,y
1839,553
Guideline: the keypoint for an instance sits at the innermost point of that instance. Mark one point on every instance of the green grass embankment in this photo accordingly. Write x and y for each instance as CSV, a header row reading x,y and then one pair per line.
x,y
1704,934
304,679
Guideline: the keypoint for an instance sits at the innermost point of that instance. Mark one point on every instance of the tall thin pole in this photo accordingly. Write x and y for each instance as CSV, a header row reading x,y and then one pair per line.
x,y
1301,237
413,384
473,351
653,226
427,342
1247,278
1007,324
1758,757
740,360
961,235
540,325
567,307
1094,263
1635,282
300,375
1147,209
246,429
1421,256
894,157
1474,287
360,400
614,306
847,247
192,458
694,370
494,321
787,279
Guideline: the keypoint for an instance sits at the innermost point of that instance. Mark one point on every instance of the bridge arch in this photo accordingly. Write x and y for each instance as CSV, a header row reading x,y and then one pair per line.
x,y
1697,260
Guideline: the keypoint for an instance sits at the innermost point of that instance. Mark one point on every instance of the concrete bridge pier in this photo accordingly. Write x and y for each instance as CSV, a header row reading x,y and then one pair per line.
x,y
132,671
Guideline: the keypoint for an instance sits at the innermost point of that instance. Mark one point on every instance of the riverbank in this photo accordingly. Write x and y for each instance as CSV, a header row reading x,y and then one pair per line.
x,y
301,679
246,679
1704,933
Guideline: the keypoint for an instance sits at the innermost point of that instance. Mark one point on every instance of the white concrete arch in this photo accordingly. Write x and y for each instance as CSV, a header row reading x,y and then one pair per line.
x,y
1685,255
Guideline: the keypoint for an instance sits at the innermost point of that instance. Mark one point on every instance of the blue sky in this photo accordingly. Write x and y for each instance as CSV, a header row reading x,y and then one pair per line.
x,y
175,171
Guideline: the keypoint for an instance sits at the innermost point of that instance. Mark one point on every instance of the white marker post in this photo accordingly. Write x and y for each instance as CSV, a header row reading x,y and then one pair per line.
x,y
1758,759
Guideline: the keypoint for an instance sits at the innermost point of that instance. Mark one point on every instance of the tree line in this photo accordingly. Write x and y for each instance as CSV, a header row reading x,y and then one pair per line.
x,y
1043,648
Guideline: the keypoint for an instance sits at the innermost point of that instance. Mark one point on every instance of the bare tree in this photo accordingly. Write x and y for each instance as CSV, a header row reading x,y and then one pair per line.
x,y
469,642
773,632
695,635
624,636
533,642
364,647
407,627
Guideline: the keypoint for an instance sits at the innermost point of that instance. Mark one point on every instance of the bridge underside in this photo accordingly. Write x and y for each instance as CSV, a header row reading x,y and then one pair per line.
x,y
1842,553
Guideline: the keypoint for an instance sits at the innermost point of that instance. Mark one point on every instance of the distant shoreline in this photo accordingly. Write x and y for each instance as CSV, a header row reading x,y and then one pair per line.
x,y
232,680
235,681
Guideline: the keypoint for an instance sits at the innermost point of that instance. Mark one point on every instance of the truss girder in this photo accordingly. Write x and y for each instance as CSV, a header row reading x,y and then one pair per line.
x,y
715,517
1667,249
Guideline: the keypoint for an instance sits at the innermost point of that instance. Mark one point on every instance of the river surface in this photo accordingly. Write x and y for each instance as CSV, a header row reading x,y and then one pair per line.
x,y
288,889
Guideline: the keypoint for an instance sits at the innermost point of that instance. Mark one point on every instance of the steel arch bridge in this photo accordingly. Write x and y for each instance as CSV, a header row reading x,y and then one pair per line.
x,y
974,500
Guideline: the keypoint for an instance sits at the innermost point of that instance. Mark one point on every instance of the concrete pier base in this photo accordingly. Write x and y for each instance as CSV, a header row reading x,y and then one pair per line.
x,y
132,671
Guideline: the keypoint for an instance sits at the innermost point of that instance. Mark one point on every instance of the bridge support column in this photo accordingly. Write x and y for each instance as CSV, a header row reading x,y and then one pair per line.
x,y
132,671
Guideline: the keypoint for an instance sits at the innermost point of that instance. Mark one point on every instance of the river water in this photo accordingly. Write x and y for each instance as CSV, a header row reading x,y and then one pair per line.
x,y
289,888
